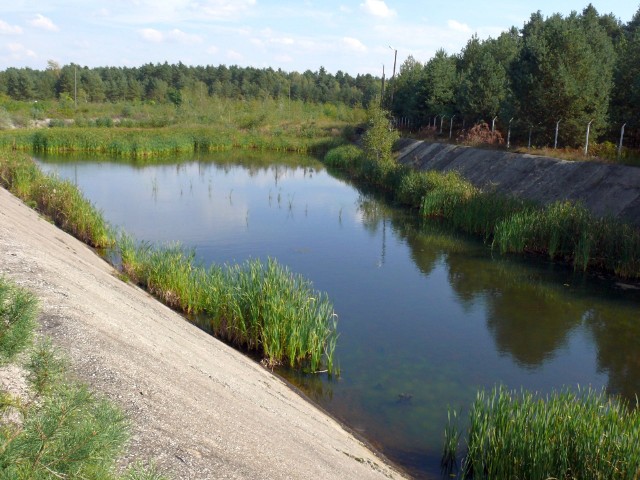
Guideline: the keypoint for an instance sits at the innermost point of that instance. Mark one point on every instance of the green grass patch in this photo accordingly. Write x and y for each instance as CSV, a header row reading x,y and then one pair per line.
x,y
17,320
569,435
564,231
261,307
59,200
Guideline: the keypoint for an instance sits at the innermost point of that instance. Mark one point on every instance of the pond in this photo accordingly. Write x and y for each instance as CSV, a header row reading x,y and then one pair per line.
x,y
426,316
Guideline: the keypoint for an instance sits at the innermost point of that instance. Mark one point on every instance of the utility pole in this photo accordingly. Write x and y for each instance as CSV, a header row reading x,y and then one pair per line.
x,y
382,89
75,85
393,75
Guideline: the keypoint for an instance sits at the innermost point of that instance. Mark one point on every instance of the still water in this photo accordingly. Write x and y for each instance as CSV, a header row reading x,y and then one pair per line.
x,y
426,317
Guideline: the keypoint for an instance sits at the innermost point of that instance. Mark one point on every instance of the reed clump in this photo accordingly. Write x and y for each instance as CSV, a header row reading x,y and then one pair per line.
x,y
135,142
258,306
565,231
58,199
569,435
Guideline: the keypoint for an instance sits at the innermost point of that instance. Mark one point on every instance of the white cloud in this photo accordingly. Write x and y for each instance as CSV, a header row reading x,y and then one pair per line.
x,y
45,23
7,29
222,8
182,37
19,51
345,9
151,35
458,27
377,8
282,41
175,35
283,58
354,44
213,50
233,55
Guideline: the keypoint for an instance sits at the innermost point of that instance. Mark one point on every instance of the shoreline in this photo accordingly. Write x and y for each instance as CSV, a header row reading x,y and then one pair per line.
x,y
199,409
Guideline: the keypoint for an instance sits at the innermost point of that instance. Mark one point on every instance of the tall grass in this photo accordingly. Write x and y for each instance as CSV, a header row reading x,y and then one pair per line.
x,y
58,199
140,131
261,307
161,142
265,308
569,435
564,231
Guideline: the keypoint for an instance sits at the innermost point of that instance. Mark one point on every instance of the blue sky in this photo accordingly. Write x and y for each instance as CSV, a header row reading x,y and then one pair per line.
x,y
352,36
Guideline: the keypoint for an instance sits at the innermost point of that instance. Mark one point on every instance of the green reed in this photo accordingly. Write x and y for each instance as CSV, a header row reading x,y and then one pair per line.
x,y
261,307
58,199
564,231
570,435
165,141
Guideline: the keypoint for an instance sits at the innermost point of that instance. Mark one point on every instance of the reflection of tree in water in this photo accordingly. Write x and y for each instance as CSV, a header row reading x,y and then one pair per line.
x,y
527,319
529,312
618,339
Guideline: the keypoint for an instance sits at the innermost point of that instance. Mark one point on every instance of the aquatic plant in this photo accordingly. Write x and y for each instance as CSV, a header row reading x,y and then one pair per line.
x,y
58,199
565,231
261,307
583,434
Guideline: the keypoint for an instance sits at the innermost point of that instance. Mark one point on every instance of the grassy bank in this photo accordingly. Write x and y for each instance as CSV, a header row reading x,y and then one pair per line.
x,y
564,231
146,130
57,199
165,141
261,307
563,435
58,429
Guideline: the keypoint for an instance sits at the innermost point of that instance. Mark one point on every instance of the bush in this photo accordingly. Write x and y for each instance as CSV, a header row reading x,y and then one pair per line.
x,y
481,134
17,319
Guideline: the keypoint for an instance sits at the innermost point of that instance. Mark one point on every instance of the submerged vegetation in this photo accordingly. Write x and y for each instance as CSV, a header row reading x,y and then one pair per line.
x,y
563,435
58,429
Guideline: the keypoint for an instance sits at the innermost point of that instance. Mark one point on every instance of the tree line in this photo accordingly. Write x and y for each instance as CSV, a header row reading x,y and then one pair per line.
x,y
563,71
164,83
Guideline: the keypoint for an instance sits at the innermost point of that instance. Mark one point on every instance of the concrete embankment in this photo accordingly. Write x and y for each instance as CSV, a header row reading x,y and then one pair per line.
x,y
606,190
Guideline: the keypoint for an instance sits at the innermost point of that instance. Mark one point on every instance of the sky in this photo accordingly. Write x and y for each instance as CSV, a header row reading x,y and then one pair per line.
x,y
356,37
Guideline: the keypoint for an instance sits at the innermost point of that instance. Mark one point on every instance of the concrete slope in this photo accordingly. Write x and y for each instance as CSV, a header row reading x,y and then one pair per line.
x,y
604,189
199,409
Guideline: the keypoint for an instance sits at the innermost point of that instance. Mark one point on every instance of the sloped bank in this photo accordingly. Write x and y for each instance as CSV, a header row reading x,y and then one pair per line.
x,y
605,190
199,408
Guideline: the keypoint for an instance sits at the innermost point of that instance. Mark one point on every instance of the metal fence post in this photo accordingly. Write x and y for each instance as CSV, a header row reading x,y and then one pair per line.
x,y
621,137
586,143
509,134
451,126
555,142
493,124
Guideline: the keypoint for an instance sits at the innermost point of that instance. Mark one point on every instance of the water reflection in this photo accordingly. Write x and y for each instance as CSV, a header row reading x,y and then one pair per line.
x,y
426,316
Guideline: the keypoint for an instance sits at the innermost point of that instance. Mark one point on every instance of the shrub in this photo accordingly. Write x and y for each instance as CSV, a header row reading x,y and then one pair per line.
x,y
481,134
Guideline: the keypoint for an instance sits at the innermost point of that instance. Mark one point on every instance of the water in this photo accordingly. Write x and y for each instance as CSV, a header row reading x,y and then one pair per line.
x,y
426,317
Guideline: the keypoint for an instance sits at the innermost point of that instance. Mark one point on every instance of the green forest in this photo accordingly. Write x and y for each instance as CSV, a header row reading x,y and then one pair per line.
x,y
563,71
575,69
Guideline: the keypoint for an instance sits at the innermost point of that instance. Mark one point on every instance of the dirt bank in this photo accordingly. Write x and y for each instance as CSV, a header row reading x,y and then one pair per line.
x,y
199,408
604,189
